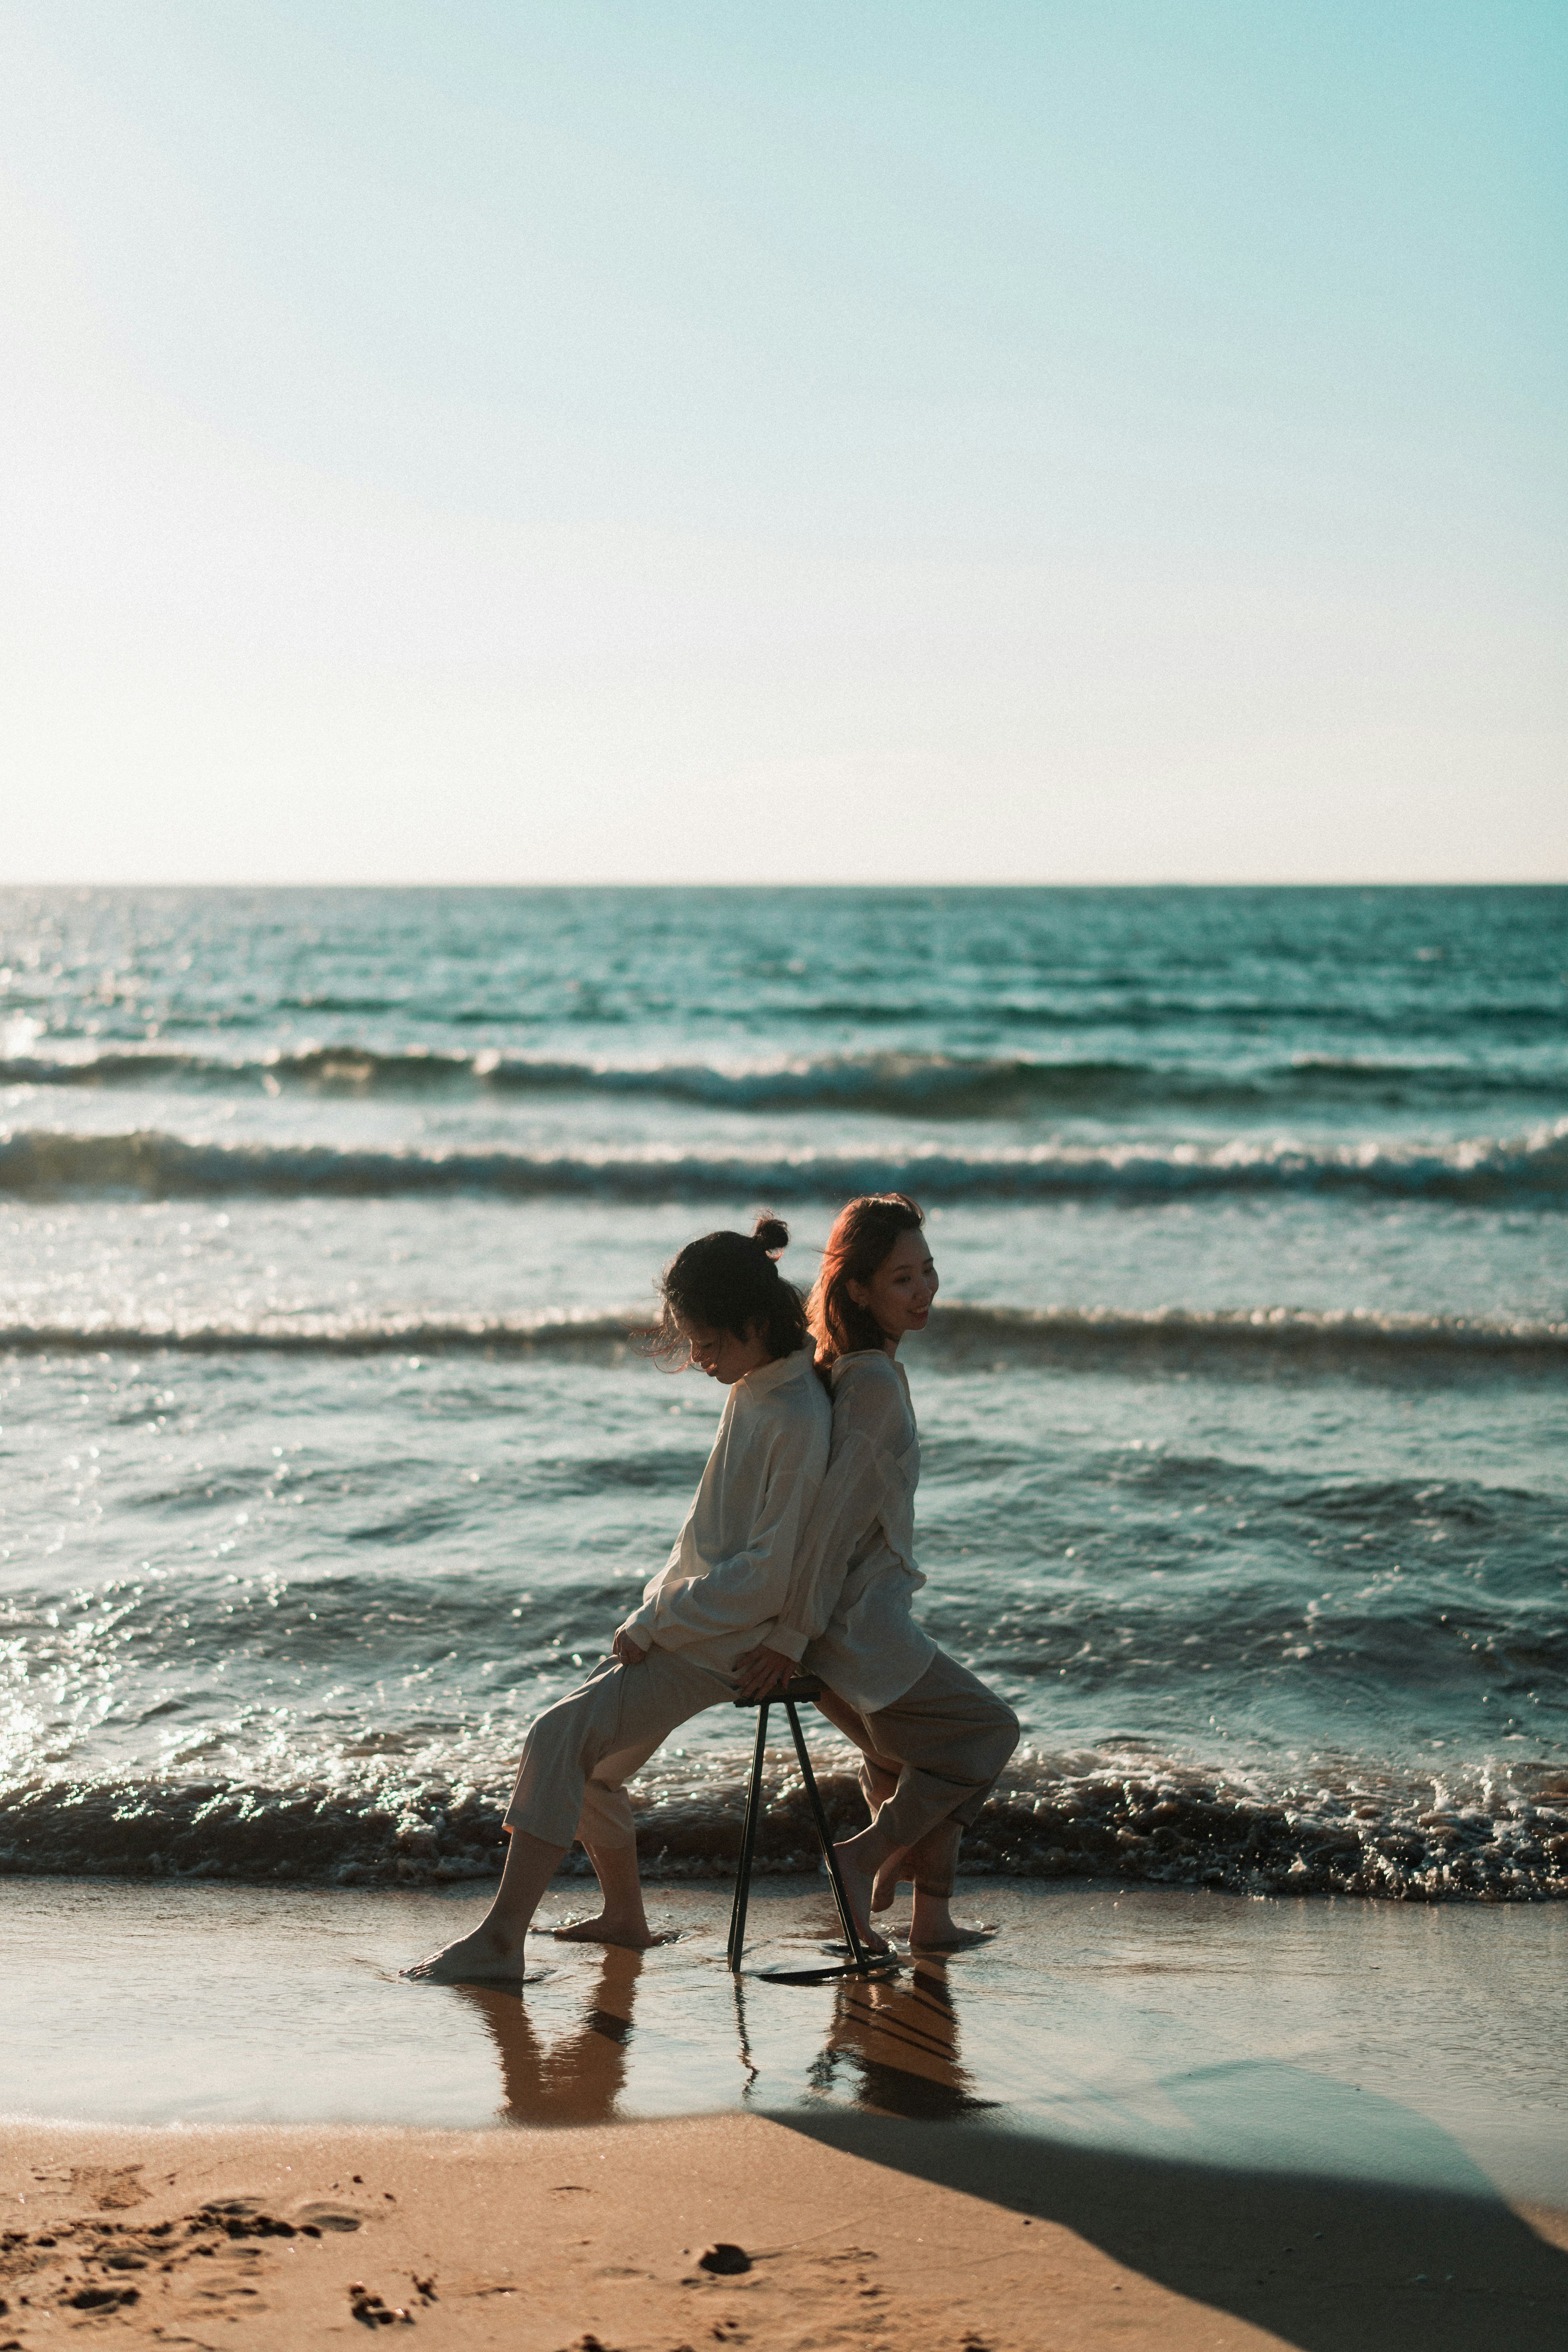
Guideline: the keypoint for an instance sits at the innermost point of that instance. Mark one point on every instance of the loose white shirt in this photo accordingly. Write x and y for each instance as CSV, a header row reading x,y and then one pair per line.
x,y
725,1580
847,1616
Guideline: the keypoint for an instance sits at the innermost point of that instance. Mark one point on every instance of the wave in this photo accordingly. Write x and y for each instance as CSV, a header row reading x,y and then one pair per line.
x,y
352,1068
933,1084
1352,1338
1112,1000
1080,1816
1350,1335
325,1336
1484,1173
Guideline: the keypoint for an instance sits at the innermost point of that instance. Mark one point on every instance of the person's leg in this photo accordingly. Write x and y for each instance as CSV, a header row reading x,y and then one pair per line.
x,y
493,1952
933,1865
619,1708
621,1918
607,1829
953,1737
878,1779
879,1774
929,1867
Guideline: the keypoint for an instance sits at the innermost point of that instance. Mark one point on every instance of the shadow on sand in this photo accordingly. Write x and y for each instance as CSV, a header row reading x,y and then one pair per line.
x,y
1323,2260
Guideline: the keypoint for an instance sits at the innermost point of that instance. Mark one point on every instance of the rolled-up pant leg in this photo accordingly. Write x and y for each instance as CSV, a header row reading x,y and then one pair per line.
x,y
951,1738
878,1775
579,1752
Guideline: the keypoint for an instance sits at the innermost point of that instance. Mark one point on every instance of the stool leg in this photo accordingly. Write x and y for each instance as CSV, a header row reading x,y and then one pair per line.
x,y
858,1952
748,1842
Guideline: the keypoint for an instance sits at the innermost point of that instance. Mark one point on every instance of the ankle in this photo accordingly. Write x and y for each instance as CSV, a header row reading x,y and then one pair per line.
x,y
507,1929
931,1916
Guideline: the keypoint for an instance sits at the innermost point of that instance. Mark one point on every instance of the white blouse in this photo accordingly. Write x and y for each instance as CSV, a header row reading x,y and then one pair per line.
x,y
847,1616
728,1570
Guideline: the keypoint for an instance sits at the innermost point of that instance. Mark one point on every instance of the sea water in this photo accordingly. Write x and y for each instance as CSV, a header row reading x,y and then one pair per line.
x,y
326,1218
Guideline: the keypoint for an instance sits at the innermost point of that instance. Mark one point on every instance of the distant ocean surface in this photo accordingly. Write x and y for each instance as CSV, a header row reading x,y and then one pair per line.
x,y
324,1216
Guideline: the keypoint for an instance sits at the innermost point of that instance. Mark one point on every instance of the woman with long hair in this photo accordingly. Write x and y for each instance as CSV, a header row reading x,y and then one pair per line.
x,y
931,1736
727,1310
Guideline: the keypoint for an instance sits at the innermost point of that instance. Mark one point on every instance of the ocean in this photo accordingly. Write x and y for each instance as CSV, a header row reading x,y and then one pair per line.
x,y
327,1218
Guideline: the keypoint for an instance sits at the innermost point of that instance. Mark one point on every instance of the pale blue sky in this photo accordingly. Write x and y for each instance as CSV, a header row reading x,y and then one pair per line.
x,y
1052,442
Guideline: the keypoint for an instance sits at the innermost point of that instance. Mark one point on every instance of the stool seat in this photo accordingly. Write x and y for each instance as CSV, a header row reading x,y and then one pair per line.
x,y
862,1963
797,1686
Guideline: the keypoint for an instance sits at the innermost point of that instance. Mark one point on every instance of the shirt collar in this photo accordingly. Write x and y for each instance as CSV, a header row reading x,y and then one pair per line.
x,y
774,1375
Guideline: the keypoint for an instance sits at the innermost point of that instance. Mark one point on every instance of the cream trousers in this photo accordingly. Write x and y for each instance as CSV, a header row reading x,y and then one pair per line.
x,y
580,1753
932,1759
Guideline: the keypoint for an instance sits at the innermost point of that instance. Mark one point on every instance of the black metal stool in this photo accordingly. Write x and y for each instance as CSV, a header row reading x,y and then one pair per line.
x,y
860,1963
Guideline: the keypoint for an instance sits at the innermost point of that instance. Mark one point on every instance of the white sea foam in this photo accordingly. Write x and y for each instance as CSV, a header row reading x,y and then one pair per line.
x,y
1351,1335
1483,1170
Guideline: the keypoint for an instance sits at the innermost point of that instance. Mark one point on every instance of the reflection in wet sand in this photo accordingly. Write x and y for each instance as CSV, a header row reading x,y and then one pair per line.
x,y
898,2042
576,2078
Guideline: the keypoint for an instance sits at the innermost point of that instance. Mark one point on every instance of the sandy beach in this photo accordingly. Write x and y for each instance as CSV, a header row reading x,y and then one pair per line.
x,y
1134,2118
577,2236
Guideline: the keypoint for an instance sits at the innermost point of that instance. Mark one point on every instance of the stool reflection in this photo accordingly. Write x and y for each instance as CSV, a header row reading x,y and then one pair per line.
x,y
572,2078
894,2047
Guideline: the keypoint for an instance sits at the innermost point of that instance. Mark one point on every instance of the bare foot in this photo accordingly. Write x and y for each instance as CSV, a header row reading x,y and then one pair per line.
x,y
608,1927
891,1875
486,1957
858,1883
948,1935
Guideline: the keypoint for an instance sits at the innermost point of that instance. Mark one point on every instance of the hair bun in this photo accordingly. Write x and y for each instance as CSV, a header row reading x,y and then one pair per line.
x,y
771,1234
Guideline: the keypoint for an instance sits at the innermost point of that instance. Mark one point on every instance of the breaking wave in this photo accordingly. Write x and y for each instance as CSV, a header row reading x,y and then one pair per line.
x,y
1082,1816
1351,1338
936,1086
1483,1172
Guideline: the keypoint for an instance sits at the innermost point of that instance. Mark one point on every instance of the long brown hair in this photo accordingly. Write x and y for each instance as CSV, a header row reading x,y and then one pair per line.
x,y
862,1238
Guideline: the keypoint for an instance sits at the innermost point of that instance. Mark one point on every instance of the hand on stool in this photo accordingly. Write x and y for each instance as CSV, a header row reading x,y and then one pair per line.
x,y
760,1670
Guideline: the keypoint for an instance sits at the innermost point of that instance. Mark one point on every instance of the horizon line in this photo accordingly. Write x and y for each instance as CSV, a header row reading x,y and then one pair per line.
x,y
916,882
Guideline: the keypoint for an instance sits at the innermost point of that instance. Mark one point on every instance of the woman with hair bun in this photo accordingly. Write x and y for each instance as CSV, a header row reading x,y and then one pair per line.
x,y
933,1738
727,1312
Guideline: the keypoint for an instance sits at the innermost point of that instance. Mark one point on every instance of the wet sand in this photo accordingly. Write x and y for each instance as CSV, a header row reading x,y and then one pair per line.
x,y
1134,2117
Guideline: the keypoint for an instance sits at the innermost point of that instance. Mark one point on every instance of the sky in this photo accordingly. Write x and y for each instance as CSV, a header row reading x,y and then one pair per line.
x,y
1117,441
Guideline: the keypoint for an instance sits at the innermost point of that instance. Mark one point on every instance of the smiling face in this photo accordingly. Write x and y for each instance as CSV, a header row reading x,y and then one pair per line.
x,y
898,1295
723,1356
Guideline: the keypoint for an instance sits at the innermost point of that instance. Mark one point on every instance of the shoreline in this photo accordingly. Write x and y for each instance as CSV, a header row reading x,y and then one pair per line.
x,y
1415,2047
1057,1816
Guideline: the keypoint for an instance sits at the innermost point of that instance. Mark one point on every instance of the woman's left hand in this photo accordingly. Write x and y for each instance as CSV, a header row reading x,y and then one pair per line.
x,y
626,1651
760,1670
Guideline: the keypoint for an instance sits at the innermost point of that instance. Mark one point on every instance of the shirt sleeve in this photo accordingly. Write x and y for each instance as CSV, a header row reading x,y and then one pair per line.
x,y
743,1592
642,1618
870,1426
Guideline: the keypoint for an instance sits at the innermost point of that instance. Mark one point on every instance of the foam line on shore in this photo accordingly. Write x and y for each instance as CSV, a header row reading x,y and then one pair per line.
x,y
1053,1817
